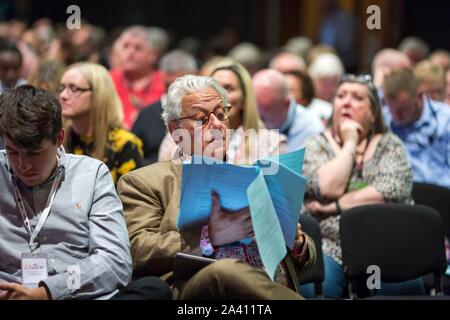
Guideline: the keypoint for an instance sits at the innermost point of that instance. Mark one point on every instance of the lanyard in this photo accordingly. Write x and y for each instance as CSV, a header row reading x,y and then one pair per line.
x,y
44,215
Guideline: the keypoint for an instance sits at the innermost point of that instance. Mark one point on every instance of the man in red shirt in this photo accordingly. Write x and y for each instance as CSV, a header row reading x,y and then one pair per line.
x,y
136,78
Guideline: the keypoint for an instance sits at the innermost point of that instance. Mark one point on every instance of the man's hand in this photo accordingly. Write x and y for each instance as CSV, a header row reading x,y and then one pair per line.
x,y
300,242
299,237
321,210
15,291
225,227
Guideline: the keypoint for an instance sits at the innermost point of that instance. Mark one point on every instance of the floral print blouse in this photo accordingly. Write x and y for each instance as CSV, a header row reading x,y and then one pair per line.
x,y
124,151
388,171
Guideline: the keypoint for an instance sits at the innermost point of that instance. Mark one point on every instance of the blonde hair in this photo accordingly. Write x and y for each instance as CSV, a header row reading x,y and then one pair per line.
x,y
430,72
250,113
47,76
106,107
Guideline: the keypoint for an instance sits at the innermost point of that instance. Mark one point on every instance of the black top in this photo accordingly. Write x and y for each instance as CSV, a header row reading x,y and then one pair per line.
x,y
150,127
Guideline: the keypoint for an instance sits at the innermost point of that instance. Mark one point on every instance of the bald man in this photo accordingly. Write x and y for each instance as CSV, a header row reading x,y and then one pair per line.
x,y
287,62
279,110
386,61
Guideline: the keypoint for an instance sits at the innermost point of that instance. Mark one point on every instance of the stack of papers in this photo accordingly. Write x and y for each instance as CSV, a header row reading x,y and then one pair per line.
x,y
273,188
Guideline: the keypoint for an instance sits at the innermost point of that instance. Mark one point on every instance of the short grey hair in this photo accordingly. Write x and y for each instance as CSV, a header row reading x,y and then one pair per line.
x,y
415,44
141,32
326,65
186,85
247,54
178,61
159,38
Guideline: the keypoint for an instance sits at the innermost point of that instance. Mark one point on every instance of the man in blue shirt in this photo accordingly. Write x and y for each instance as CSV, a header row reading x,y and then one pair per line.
x,y
422,124
278,109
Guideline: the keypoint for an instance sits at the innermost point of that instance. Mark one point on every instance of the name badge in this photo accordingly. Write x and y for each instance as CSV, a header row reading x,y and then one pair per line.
x,y
34,268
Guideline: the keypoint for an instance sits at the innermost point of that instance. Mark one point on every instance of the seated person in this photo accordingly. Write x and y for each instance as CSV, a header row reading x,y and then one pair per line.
x,y
422,124
151,198
58,212
149,125
357,161
280,111
10,66
93,114
302,90
244,119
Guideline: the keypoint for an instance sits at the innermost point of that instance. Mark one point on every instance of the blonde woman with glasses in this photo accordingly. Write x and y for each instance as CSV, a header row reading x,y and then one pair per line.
x,y
93,115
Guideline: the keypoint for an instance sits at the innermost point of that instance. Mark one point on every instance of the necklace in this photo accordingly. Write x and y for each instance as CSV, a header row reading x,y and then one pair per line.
x,y
359,166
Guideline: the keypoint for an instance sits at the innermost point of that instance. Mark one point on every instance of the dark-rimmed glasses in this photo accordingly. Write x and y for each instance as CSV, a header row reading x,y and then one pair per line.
x,y
221,113
73,89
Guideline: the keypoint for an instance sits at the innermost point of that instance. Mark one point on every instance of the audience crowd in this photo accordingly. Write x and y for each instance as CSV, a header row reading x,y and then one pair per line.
x,y
94,129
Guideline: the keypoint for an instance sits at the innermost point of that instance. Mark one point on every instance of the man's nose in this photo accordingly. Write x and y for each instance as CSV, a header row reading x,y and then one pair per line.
x,y
24,164
214,122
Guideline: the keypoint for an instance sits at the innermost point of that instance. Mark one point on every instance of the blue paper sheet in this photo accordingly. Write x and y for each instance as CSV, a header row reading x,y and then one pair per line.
x,y
201,179
269,236
275,198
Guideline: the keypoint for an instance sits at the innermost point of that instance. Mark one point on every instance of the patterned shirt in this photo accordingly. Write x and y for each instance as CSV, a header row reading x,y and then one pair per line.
x,y
124,151
388,171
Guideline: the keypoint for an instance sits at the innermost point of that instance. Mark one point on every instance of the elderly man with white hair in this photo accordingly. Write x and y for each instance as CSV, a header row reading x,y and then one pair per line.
x,y
326,70
198,107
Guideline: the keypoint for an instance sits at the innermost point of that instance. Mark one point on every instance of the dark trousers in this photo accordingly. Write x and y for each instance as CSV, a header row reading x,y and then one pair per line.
x,y
147,288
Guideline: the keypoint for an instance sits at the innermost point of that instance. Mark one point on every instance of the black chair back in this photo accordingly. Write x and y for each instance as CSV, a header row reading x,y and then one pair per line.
x,y
436,197
405,242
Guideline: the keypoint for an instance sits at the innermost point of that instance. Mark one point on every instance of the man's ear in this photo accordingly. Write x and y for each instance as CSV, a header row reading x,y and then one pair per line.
x,y
172,126
287,102
60,137
419,97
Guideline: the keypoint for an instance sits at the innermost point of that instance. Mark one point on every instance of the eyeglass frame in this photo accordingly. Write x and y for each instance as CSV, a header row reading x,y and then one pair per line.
x,y
73,89
226,109
365,79
358,78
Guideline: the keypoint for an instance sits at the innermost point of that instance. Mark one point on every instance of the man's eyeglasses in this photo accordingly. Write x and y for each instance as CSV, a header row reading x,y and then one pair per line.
x,y
73,89
221,113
